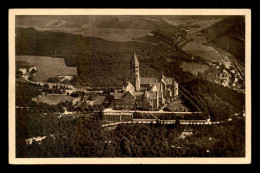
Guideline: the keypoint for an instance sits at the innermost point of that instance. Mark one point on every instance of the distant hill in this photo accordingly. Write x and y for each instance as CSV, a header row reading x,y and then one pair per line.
x,y
100,62
228,34
105,63
112,28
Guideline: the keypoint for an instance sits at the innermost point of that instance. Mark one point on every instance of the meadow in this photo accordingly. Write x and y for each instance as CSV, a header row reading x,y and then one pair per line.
x,y
54,99
206,52
48,67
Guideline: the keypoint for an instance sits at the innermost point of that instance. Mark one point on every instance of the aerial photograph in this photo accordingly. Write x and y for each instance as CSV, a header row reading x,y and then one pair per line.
x,y
130,86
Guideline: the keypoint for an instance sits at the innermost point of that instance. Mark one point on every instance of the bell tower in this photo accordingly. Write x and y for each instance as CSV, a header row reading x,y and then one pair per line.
x,y
135,75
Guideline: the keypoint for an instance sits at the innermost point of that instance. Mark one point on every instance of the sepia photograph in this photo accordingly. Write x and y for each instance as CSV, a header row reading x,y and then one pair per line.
x,y
129,86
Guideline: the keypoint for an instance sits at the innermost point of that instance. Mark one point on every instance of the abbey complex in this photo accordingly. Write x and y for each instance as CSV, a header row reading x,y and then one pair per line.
x,y
144,93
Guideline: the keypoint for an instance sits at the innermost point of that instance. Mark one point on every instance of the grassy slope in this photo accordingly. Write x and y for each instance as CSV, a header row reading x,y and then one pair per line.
x,y
113,28
54,99
207,52
48,67
228,34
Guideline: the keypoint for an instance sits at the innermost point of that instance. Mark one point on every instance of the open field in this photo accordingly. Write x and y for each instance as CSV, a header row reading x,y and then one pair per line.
x,y
192,21
200,24
110,34
48,67
111,28
206,52
54,99
194,68
114,34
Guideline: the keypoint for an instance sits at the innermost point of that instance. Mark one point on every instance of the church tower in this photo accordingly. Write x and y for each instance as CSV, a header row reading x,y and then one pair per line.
x,y
135,75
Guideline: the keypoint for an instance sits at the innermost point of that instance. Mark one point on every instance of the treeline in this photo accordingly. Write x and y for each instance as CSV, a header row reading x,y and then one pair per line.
x,y
24,92
100,62
192,100
194,116
54,89
40,107
66,136
106,64
220,102
229,35
57,79
82,137
171,38
137,115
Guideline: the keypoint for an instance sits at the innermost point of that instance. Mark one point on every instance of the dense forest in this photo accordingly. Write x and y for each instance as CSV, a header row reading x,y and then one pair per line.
x,y
84,137
106,64
100,62
218,101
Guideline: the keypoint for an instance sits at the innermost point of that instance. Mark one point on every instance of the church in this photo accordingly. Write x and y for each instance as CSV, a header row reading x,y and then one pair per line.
x,y
144,93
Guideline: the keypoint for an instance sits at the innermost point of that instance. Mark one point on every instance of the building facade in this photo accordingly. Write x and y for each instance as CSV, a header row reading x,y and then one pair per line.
x,y
144,93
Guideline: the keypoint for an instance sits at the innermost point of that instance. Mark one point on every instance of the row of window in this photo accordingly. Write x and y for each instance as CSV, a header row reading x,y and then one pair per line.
x,y
124,106
129,102
122,102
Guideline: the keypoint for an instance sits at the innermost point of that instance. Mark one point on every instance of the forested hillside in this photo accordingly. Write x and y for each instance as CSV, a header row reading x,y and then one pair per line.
x,y
218,101
100,62
83,137
107,64
229,35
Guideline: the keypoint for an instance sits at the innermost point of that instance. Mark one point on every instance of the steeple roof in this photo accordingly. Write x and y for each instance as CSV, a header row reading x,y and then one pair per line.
x,y
146,94
134,60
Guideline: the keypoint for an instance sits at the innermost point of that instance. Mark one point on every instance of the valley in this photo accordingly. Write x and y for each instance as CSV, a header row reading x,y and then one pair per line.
x,y
69,67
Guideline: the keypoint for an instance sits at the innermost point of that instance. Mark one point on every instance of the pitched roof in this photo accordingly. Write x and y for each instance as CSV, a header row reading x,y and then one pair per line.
x,y
139,95
118,94
153,88
152,95
130,87
151,81
134,60
148,80
146,94
168,81
130,92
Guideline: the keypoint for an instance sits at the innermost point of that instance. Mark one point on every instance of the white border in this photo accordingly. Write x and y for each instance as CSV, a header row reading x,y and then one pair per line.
x,y
11,94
